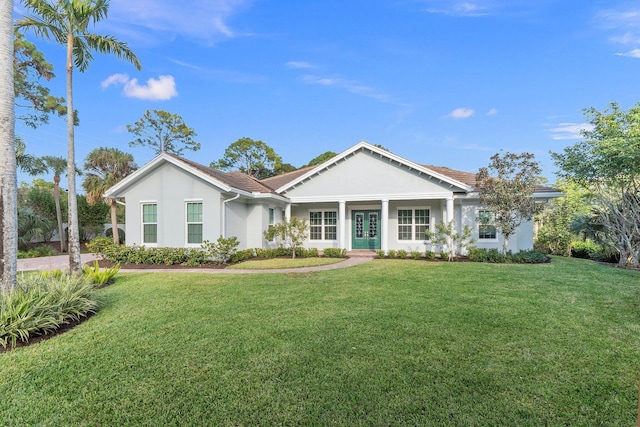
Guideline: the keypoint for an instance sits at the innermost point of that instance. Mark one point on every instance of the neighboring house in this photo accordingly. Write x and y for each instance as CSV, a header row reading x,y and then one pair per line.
x,y
364,198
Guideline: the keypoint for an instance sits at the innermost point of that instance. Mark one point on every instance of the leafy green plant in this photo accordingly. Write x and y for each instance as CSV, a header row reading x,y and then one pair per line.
x,y
452,242
39,305
310,253
334,253
289,233
430,255
402,254
53,274
415,255
585,249
533,256
242,255
222,250
99,244
380,254
99,277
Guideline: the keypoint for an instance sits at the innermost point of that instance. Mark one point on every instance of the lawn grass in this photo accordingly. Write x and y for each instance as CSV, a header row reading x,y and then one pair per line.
x,y
280,263
390,342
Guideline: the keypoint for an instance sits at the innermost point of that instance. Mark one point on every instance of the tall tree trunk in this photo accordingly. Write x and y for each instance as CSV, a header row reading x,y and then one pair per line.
x,y
74,234
8,176
114,221
56,198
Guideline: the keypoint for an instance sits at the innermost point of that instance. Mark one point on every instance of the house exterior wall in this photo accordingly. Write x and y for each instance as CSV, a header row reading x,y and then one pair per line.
x,y
170,188
365,174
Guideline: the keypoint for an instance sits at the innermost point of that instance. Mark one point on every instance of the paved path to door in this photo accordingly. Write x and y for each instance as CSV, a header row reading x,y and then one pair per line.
x,y
61,262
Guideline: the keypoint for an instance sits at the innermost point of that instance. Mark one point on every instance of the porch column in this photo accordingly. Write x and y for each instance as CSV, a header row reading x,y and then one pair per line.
x,y
342,226
449,209
384,243
287,212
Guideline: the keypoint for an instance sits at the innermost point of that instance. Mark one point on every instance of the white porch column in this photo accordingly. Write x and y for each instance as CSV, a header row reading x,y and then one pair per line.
x,y
384,243
287,212
342,226
449,209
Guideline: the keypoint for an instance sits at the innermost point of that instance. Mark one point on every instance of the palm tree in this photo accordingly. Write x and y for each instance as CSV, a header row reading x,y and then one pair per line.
x,y
106,167
67,22
8,174
58,165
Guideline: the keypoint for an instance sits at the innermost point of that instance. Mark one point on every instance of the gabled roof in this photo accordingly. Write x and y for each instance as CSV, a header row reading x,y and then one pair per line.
x,y
226,181
284,182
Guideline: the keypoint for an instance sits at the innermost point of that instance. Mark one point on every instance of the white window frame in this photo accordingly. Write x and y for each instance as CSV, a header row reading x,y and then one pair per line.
x,y
142,223
187,223
486,239
413,209
323,225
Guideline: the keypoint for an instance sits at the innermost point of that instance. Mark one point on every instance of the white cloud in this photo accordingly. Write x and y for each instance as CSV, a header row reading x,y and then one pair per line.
x,y
161,89
460,8
564,131
114,79
461,113
154,21
299,65
635,53
348,85
492,112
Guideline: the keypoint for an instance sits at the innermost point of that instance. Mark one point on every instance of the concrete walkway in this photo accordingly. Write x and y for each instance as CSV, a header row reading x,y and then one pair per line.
x,y
61,262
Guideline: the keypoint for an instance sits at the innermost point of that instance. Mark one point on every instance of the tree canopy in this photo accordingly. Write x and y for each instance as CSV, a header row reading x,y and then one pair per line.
x,y
163,132
254,158
607,162
318,160
506,188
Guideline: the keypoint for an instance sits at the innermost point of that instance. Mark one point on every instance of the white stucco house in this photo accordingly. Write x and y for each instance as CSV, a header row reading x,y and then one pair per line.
x,y
364,198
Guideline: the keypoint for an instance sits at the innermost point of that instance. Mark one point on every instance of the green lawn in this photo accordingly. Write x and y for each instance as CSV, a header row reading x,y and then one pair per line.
x,y
279,263
385,343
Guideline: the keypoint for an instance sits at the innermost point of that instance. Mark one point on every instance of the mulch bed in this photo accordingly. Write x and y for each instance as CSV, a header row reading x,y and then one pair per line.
x,y
108,264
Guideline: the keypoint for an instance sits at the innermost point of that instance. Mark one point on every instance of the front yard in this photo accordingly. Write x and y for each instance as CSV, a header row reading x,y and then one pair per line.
x,y
390,342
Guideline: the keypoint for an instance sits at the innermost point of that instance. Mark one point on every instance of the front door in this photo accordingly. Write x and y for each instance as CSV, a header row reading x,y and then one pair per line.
x,y
365,230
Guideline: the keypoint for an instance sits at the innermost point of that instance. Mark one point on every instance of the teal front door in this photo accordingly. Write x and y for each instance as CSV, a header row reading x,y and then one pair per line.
x,y
365,230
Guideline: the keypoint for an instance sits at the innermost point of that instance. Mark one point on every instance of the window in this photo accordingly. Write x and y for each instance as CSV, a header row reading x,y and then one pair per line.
x,y
412,224
149,223
272,217
486,229
323,225
194,222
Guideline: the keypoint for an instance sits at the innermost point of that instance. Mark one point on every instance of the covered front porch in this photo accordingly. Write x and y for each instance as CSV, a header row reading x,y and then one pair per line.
x,y
382,224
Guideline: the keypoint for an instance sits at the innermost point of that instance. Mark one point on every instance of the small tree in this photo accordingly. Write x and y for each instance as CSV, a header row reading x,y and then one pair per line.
x,y
254,158
506,188
289,233
163,132
452,242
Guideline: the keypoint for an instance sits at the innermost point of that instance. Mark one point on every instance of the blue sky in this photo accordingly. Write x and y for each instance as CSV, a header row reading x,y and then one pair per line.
x,y
441,82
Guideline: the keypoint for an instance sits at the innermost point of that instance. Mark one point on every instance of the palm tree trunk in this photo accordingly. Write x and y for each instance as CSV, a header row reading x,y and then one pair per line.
x,y
56,199
114,221
74,234
8,176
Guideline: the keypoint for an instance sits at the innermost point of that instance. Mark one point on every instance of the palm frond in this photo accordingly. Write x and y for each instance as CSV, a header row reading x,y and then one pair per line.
x,y
110,45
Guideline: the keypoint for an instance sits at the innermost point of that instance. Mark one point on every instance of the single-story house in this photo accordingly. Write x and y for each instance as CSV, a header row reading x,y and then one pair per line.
x,y
363,198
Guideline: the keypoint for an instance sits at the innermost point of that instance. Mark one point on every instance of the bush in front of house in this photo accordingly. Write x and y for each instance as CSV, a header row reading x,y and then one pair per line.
x,y
222,250
334,253
533,256
40,304
402,254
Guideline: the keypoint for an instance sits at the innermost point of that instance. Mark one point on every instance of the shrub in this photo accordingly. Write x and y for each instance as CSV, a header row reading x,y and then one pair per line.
x,y
416,255
39,305
99,277
392,254
585,249
380,253
451,241
334,253
533,256
97,245
222,250
242,255
142,255
430,255
402,254
310,253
